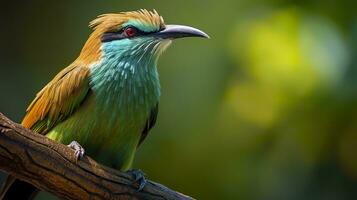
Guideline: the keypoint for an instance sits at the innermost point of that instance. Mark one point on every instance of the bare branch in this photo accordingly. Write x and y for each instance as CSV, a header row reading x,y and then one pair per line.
x,y
51,166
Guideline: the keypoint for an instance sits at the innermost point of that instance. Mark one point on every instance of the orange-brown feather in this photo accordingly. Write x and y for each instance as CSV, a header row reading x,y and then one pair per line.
x,y
54,101
113,21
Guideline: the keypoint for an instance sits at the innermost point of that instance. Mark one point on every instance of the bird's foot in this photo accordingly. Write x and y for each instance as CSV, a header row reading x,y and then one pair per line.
x,y
78,149
139,178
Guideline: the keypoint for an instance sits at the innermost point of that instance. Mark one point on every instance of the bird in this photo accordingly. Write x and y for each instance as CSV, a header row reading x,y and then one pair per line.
x,y
106,101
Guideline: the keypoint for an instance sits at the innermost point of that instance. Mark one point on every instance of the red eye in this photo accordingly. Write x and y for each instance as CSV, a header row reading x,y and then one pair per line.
x,y
130,31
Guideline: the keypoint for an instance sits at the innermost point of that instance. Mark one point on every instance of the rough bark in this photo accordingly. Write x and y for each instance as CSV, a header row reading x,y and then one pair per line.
x,y
51,166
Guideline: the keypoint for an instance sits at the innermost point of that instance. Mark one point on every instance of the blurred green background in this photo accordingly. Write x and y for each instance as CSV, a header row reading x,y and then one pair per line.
x,y
265,109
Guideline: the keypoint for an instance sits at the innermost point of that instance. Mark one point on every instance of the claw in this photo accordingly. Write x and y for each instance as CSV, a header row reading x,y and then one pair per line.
x,y
78,149
139,177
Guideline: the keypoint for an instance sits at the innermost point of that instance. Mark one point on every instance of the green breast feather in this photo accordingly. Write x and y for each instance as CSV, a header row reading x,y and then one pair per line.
x,y
120,106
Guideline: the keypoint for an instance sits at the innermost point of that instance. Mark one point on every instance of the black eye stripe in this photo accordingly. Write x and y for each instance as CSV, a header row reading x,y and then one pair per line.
x,y
110,36
120,34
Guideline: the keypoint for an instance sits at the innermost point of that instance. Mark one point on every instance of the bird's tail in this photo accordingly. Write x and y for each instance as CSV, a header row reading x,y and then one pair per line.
x,y
15,189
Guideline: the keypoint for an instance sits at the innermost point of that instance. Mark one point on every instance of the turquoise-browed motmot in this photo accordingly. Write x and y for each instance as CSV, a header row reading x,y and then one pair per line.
x,y
107,99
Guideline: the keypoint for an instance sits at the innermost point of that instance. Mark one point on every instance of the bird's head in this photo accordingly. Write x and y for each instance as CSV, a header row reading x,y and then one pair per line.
x,y
132,34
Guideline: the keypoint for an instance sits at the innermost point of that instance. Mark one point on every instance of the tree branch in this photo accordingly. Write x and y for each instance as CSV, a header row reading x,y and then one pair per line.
x,y
51,166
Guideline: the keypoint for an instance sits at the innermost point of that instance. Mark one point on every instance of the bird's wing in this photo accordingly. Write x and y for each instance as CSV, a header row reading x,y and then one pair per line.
x,y
58,99
149,123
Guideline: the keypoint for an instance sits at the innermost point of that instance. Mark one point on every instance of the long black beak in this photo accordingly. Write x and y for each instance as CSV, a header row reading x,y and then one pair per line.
x,y
179,31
